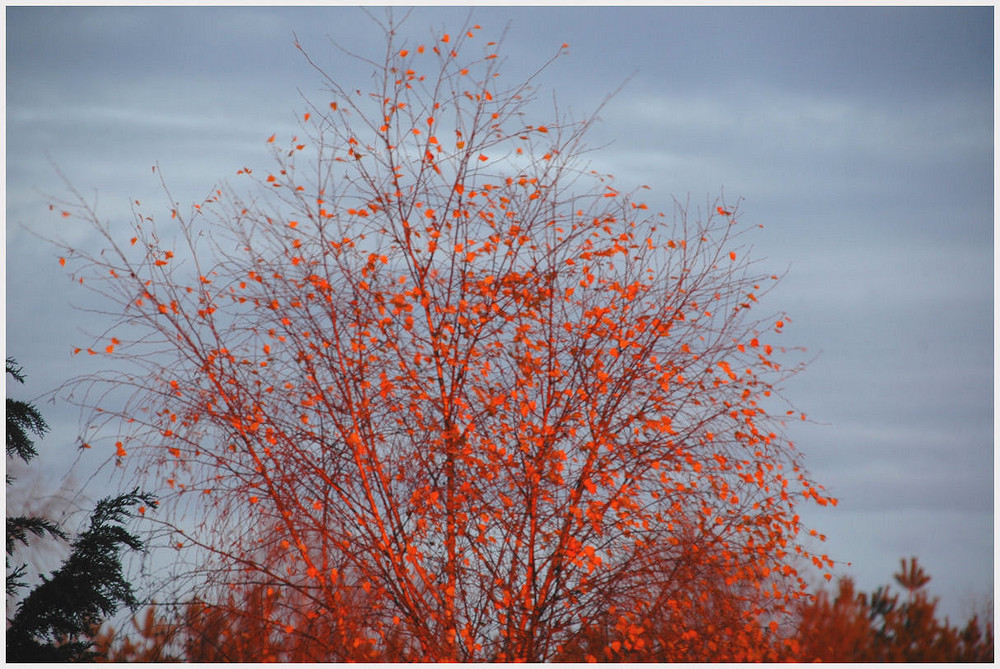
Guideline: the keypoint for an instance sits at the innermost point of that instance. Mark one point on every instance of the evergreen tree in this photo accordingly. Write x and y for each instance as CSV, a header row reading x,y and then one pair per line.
x,y
23,419
54,622
882,627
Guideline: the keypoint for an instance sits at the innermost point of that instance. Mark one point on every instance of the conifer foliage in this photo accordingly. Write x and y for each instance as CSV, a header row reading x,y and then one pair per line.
x,y
52,623
885,627
22,421
438,391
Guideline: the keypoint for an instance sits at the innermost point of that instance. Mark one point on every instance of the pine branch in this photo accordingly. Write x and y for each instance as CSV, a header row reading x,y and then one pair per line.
x,y
87,588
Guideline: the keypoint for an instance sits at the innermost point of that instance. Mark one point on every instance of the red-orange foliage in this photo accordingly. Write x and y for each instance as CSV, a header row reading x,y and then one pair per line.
x,y
857,627
439,392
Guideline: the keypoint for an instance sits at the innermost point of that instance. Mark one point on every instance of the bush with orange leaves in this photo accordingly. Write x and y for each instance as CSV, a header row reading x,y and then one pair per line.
x,y
878,627
439,392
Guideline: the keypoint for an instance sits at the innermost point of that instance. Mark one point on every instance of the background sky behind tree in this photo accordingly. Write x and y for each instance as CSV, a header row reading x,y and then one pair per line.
x,y
861,138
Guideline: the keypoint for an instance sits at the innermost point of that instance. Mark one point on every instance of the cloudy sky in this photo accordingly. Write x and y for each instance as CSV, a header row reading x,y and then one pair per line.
x,y
862,139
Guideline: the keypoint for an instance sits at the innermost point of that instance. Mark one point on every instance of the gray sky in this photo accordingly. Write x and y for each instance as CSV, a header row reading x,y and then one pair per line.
x,y
861,138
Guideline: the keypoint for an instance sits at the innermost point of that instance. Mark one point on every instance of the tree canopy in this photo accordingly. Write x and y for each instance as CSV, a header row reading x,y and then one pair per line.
x,y
853,626
435,390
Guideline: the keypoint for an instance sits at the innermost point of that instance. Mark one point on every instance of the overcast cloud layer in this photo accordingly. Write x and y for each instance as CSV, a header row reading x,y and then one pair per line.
x,y
862,139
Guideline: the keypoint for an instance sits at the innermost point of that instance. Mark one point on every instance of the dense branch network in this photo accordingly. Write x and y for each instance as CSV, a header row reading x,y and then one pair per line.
x,y
438,391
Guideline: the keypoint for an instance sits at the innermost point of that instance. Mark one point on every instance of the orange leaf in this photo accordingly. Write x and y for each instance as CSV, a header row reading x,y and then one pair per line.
x,y
446,38
723,211
62,261
270,139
